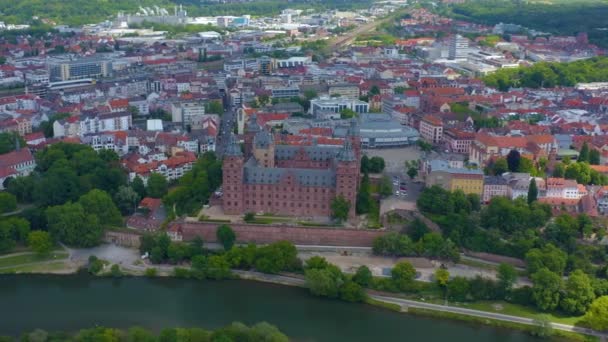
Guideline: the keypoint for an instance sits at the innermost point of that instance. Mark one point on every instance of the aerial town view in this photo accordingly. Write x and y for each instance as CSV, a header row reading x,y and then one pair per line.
x,y
303,170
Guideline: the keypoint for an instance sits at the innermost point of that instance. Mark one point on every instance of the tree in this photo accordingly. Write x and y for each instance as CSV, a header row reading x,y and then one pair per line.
x,y
549,256
500,166
597,315
513,160
226,236
363,276
99,203
412,172
157,185
385,188
546,289
578,293
364,196
442,277
276,257
393,244
365,164
70,224
542,327
325,282
139,187
249,217
340,208
507,275
177,252
417,229
9,140
218,267
376,164
8,202
347,113
126,200
594,157
403,275
459,289
115,271
558,170
40,242
583,155
316,262
196,246
532,191
352,292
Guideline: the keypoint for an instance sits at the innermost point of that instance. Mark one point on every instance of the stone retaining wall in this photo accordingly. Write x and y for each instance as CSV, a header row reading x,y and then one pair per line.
x,y
298,235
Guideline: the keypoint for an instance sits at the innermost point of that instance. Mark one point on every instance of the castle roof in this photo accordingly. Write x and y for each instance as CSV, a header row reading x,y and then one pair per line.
x,y
255,174
346,154
234,149
284,152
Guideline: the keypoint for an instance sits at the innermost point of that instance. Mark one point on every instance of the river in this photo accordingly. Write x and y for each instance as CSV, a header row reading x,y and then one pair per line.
x,y
69,303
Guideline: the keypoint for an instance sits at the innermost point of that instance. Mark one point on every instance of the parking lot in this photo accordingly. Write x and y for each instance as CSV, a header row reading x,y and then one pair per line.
x,y
395,158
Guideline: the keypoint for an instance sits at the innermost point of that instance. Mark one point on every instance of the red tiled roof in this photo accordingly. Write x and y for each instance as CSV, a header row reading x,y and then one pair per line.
x,y
16,157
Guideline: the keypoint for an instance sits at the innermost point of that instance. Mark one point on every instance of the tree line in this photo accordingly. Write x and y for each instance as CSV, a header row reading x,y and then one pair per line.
x,y
562,17
234,332
550,74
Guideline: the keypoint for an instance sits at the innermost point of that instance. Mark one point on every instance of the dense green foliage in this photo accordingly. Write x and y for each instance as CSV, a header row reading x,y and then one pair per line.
x,y
326,280
372,165
233,332
340,207
9,140
597,316
550,74
273,258
78,12
12,231
195,187
564,17
226,236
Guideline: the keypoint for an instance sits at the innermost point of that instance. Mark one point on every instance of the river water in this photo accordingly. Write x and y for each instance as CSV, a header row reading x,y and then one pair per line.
x,y
70,303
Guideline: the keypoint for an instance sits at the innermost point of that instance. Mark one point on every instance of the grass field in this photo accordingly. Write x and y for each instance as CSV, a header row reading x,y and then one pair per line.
x,y
518,310
36,268
30,258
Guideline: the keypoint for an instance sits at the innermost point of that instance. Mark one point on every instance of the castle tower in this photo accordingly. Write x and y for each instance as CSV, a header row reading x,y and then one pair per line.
x,y
251,129
347,175
355,137
263,148
233,179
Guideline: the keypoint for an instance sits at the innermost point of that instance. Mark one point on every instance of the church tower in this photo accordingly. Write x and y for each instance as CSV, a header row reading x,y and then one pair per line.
x,y
233,178
347,175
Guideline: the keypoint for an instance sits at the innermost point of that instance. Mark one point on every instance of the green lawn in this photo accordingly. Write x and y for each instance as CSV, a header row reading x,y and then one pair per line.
x,y
52,266
518,310
30,258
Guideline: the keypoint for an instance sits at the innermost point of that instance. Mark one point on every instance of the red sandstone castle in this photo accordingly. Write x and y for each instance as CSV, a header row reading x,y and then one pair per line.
x,y
289,180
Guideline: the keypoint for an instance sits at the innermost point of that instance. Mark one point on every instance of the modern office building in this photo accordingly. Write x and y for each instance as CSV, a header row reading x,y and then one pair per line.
x,y
66,68
459,47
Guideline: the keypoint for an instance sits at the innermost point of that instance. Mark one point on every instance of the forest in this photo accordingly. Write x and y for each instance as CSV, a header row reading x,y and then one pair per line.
x,y
79,12
550,74
562,17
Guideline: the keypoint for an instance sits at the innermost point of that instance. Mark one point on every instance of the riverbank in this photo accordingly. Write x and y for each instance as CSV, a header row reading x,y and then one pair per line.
x,y
564,331
384,300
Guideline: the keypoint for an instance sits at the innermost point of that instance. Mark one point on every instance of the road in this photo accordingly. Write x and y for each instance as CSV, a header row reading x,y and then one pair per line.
x,y
227,122
404,303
